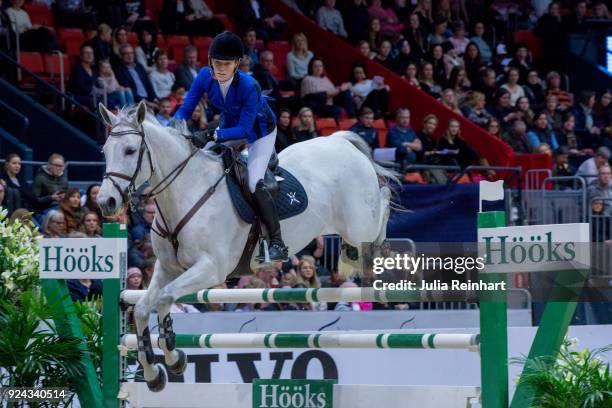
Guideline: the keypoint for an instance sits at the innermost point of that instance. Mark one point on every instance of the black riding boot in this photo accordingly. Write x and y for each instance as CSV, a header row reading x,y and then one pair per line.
x,y
269,215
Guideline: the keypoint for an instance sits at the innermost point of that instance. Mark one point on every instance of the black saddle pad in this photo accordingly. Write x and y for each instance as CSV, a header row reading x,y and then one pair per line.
x,y
292,199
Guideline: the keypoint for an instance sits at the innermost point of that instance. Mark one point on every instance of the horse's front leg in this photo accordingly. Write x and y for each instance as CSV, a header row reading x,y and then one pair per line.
x,y
204,274
154,374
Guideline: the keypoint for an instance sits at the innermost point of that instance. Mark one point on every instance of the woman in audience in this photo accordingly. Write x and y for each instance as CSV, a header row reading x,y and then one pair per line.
x,y
512,86
90,204
32,37
423,11
449,99
478,113
83,77
541,133
426,136
305,127
120,37
390,25
566,136
472,62
384,57
284,132
307,276
457,151
459,40
437,62
585,119
11,174
494,127
523,109
107,84
70,206
134,279
438,36
374,35
503,110
54,225
102,43
91,225
161,78
364,48
459,82
410,75
426,81
553,87
299,57
534,89
404,57
147,49
554,114
372,93
483,45
198,120
319,93
603,112
416,36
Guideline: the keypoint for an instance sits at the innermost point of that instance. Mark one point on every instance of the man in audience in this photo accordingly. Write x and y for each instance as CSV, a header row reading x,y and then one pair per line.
x,y
590,167
266,74
165,112
602,188
143,229
131,74
250,46
330,19
404,139
188,70
50,182
364,127
517,137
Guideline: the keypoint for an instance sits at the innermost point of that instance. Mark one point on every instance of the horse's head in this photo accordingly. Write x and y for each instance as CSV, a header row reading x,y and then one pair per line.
x,y
128,160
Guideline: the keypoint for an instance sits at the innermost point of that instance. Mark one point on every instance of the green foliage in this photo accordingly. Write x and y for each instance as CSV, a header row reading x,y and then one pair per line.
x,y
90,315
573,380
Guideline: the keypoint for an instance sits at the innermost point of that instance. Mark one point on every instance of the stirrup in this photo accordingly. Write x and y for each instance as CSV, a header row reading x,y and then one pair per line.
x,y
273,253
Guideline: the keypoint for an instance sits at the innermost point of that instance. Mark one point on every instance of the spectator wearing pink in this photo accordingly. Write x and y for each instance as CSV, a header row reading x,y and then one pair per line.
x,y
319,92
134,279
389,22
459,40
352,306
117,96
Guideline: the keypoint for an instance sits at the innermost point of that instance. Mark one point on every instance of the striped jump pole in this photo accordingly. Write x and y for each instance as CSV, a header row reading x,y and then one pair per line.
x,y
319,340
302,295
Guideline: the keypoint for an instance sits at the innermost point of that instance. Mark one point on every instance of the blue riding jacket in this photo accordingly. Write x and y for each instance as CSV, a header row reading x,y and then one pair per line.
x,y
245,113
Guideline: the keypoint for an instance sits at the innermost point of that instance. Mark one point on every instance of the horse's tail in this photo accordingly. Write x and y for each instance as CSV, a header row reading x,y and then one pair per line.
x,y
391,178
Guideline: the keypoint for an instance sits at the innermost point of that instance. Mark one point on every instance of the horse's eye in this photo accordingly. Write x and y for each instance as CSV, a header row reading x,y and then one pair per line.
x,y
129,152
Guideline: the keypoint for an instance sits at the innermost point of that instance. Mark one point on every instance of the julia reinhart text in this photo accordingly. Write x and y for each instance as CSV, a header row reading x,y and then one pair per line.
x,y
436,284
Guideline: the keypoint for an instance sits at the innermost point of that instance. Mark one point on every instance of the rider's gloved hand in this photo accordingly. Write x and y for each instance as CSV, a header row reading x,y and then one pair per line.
x,y
199,138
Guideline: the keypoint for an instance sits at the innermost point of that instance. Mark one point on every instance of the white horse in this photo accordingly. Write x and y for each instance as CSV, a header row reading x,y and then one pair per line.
x,y
345,196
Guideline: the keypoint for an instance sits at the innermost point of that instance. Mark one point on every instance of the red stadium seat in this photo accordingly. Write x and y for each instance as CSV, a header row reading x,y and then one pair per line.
x,y
382,137
280,50
133,39
260,45
161,41
379,124
534,44
347,123
70,33
202,41
52,65
227,24
327,130
72,46
203,55
176,53
172,40
39,14
32,61
326,122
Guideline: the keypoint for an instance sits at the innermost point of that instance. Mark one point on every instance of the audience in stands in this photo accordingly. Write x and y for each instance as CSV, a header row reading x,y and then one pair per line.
x,y
70,206
32,37
541,133
427,82
365,127
198,120
15,184
250,46
89,201
602,187
255,14
147,49
553,87
120,38
106,85
161,77
187,71
299,57
512,86
143,229
523,111
330,19
102,43
590,167
54,225
284,132
83,77
356,18
404,139
50,183
453,149
305,128
322,96
165,112
517,138
371,93
132,75
192,18
75,13
8,200
483,46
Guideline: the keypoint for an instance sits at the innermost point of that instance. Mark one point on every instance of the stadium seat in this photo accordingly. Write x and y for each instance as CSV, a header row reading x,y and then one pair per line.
x,y
327,130
382,137
534,44
280,50
379,124
133,39
203,55
70,33
260,45
52,65
161,41
72,46
172,40
39,14
347,123
202,42
176,53
33,62
325,122
227,24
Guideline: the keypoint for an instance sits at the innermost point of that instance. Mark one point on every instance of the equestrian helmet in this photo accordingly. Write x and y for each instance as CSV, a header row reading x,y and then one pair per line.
x,y
226,46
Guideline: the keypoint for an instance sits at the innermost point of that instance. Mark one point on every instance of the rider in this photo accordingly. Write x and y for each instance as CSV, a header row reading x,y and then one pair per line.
x,y
245,114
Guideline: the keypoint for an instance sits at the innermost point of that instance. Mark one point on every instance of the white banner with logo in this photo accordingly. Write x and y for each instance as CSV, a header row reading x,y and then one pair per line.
x,y
82,258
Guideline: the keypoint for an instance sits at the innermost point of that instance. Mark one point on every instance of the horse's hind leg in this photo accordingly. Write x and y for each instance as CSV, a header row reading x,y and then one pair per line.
x,y
154,374
176,360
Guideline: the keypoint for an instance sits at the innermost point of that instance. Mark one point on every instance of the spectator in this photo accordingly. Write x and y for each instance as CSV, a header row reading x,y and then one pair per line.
x,y
8,198
83,290
192,18
70,206
132,75
566,135
449,99
483,45
284,132
384,57
134,279
439,66
553,87
450,58
603,116
494,128
143,229
602,188
503,110
245,65
517,138
90,204
188,70
562,167
416,36
265,73
404,57
75,13
426,81
198,119
177,95
319,93
161,78
410,75
53,225
299,57
120,38
305,127
585,121
32,37
423,11
459,83
374,34
404,139
520,62
364,127
541,133
16,186
401,10
372,93
443,11
102,43
523,109
148,268
457,151
50,183
600,11
438,36
307,276
473,62
459,40
106,84
478,114
83,77
364,49
330,19
255,14
488,86
357,19
250,46
516,91
147,50
551,30
600,223
165,112
533,89
590,167
390,24
576,22
554,114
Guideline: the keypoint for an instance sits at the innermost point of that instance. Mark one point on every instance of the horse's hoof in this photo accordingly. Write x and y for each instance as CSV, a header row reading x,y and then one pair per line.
x,y
158,383
179,367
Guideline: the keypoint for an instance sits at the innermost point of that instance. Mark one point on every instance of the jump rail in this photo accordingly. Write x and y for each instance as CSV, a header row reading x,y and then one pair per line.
x,y
319,340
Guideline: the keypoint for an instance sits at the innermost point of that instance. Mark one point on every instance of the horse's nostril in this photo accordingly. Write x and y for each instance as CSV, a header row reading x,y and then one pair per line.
x,y
111,203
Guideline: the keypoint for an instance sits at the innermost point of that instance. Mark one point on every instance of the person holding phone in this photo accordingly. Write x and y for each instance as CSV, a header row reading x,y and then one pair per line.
x,y
51,182
372,93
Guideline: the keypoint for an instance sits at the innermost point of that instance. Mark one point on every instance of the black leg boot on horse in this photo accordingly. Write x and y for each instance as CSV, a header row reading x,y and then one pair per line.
x,y
269,215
